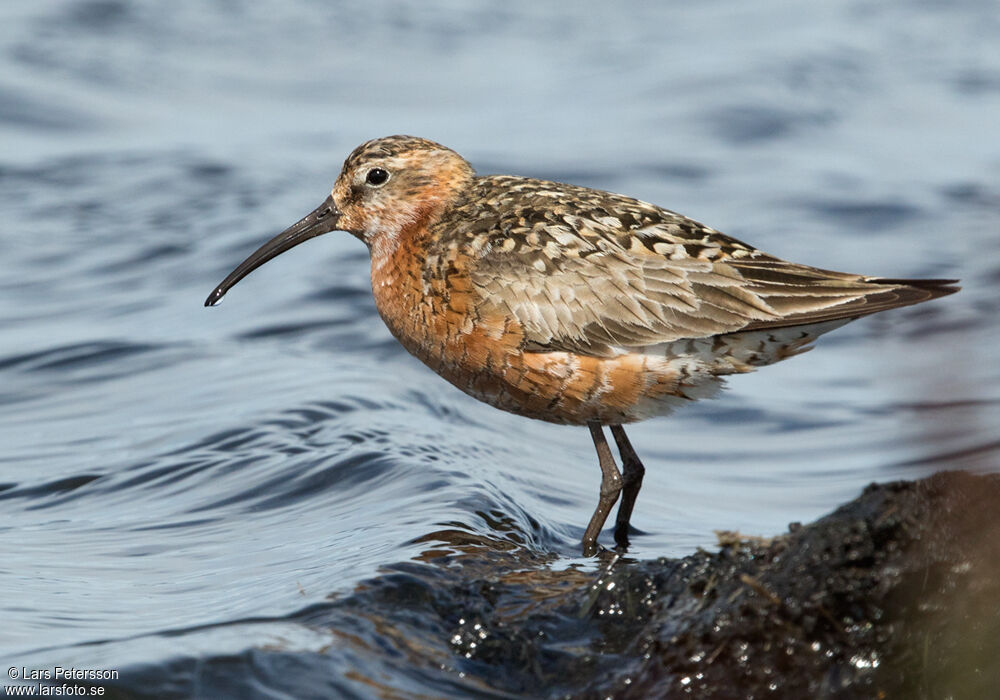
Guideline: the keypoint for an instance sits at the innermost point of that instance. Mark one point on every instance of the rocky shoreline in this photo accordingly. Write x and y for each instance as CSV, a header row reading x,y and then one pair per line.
x,y
896,594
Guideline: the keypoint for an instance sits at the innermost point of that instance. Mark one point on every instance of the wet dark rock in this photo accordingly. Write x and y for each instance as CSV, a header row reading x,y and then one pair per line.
x,y
893,595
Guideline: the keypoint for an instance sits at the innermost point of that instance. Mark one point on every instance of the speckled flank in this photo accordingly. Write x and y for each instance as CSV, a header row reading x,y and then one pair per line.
x,y
574,305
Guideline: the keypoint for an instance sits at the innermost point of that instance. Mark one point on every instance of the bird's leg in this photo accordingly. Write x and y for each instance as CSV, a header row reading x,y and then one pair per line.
x,y
611,486
632,471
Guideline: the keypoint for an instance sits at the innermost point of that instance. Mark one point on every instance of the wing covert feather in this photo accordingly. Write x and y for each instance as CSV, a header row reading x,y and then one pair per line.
x,y
591,272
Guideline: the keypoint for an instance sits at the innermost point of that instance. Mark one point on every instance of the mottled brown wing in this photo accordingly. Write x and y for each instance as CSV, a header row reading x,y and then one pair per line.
x,y
587,271
852,296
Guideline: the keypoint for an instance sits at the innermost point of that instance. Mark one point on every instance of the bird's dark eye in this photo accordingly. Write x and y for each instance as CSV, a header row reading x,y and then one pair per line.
x,y
377,176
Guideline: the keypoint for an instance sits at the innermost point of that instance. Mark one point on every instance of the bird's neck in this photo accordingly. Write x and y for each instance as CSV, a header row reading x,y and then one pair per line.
x,y
407,224
398,287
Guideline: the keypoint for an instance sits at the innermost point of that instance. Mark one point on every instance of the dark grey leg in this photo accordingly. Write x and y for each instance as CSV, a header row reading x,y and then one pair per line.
x,y
611,486
632,471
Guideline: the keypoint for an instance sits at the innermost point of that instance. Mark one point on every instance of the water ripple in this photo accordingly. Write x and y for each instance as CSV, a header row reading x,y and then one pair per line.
x,y
208,496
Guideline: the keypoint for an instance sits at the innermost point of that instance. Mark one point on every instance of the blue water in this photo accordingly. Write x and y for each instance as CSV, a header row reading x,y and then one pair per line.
x,y
182,482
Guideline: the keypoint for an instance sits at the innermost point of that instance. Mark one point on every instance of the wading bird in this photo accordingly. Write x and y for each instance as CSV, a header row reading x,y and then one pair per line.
x,y
568,304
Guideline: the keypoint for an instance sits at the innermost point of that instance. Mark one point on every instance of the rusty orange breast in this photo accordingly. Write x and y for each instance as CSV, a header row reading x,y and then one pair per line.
x,y
475,346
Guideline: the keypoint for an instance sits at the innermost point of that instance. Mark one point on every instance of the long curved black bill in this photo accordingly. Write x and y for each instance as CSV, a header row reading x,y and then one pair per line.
x,y
321,220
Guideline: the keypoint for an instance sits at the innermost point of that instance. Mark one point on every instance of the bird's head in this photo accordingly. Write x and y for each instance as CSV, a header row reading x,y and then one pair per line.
x,y
387,189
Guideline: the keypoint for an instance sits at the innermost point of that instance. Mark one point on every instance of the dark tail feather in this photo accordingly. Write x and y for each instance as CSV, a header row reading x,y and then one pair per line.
x,y
932,288
886,294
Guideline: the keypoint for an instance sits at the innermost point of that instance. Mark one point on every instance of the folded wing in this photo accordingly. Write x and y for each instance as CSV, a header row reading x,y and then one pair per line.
x,y
601,272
